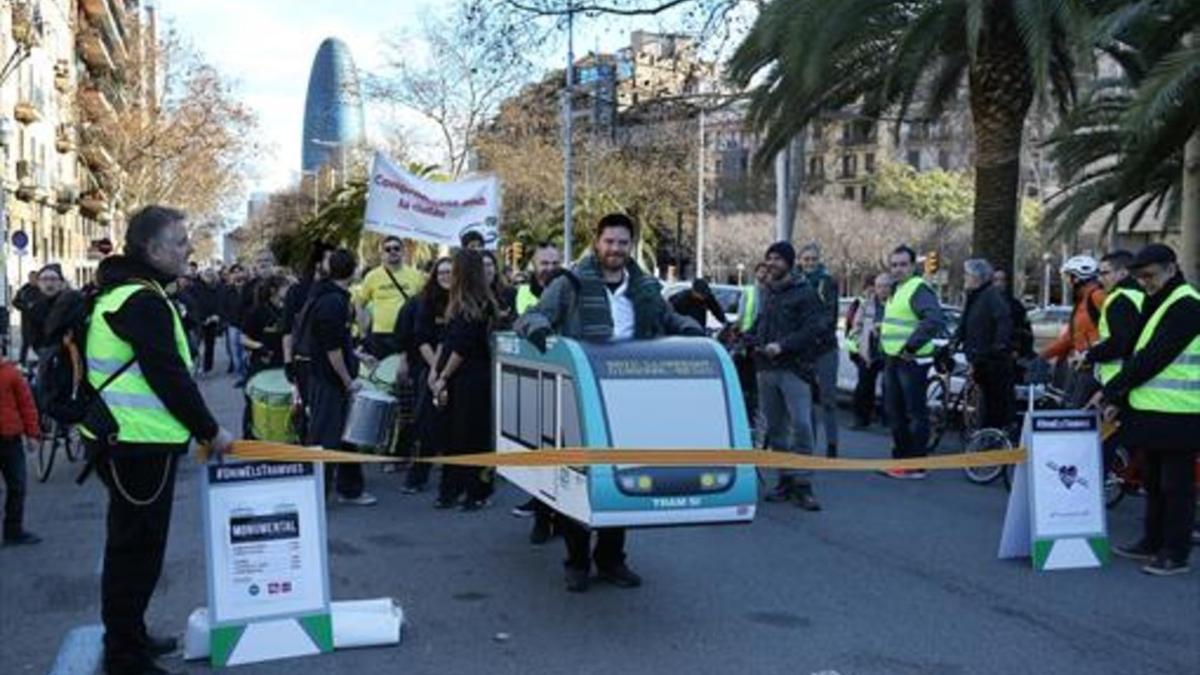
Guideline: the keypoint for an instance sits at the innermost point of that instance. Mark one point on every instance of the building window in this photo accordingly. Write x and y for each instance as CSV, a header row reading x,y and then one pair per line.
x,y
848,193
849,166
869,162
914,159
816,167
944,160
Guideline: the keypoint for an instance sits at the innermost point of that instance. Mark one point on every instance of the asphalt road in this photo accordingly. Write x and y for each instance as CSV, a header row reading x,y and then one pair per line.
x,y
890,578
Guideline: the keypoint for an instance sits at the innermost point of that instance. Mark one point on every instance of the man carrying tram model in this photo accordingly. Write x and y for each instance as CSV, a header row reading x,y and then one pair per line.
x,y
605,297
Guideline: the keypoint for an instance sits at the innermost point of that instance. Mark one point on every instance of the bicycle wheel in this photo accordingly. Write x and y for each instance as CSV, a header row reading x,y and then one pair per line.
x,y
46,450
939,413
980,441
969,411
1114,477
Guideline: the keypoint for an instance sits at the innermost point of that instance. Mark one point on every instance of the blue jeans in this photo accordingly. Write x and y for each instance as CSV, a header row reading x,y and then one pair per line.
x,y
235,350
904,387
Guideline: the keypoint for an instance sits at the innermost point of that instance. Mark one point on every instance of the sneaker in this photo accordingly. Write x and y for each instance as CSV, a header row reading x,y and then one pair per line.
x,y
1166,567
160,646
541,532
441,503
806,500
905,474
412,489
577,580
1139,551
525,510
22,538
620,576
364,499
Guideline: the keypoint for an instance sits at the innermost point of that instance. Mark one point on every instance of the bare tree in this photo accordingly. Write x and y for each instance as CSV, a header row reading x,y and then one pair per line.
x,y
474,62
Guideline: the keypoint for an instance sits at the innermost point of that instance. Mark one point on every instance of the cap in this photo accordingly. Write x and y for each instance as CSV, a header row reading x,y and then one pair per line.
x,y
1153,254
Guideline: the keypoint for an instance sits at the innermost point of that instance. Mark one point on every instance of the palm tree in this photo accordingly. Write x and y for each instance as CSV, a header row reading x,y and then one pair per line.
x,y
1132,146
806,57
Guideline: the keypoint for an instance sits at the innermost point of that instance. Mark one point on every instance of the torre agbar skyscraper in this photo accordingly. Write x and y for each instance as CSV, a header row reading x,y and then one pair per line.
x,y
333,112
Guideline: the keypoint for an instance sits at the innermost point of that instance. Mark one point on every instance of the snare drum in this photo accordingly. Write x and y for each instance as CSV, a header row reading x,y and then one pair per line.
x,y
371,420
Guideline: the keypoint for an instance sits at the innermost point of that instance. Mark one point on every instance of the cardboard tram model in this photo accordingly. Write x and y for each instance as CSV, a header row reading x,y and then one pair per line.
x,y
670,393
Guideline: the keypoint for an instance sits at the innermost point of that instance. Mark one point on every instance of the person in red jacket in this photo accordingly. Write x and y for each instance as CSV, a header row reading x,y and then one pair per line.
x,y
18,417
1083,330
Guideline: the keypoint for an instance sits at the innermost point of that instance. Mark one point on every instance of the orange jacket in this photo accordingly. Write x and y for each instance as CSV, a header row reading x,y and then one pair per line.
x,y
1083,331
18,414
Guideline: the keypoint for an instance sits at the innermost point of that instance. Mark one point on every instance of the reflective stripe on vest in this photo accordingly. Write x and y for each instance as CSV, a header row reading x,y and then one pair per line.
x,y
1175,389
1107,371
749,308
140,415
525,298
900,321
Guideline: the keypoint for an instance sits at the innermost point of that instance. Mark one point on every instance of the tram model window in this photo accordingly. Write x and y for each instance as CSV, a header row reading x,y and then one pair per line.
x,y
531,408
571,437
549,403
509,403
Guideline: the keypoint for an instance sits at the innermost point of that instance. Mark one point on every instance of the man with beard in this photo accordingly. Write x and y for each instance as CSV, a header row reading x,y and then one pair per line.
x,y
382,294
605,297
791,326
24,301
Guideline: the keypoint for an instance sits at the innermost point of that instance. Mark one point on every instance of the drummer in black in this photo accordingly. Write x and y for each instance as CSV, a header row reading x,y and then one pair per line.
x,y
263,329
327,321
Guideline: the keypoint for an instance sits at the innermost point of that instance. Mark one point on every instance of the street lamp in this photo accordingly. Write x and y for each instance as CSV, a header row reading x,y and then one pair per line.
x,y
1047,259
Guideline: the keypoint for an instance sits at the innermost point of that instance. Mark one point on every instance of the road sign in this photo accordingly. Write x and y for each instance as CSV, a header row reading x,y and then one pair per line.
x,y
268,575
20,241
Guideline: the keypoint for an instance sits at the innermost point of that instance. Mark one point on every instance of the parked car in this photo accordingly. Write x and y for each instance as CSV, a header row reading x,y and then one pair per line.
x,y
1048,323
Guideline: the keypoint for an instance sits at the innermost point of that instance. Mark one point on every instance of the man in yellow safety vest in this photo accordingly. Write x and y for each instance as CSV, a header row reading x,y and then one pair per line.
x,y
911,319
1156,394
147,411
1120,316
547,262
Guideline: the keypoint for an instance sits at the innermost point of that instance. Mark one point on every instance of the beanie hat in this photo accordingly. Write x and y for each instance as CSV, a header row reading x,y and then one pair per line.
x,y
785,250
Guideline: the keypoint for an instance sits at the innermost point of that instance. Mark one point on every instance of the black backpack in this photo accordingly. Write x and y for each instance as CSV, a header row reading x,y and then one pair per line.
x,y
64,392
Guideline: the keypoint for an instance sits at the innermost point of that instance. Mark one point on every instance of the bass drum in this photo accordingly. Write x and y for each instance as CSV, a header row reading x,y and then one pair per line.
x,y
371,420
270,397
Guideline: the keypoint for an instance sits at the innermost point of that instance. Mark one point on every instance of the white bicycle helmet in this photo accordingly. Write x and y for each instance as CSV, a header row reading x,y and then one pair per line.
x,y
1081,267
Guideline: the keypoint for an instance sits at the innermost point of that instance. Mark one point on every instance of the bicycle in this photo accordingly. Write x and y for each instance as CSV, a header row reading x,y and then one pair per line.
x,y
54,436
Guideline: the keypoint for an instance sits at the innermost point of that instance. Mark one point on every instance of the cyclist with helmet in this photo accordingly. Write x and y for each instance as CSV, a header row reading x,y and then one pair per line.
x,y
1082,331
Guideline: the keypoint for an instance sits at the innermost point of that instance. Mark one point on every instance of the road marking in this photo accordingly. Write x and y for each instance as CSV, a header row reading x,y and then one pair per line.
x,y
80,651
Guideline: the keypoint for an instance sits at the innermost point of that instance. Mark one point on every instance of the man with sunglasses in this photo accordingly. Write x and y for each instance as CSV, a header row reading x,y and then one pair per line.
x,y
383,292
1156,396
911,319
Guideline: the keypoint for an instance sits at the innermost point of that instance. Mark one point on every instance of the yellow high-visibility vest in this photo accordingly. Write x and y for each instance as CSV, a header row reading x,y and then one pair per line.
x,y
1175,389
900,321
1108,370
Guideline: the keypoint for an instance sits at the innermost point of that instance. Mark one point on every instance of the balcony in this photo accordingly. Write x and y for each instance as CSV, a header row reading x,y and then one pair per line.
x,y
97,156
108,17
95,52
26,112
27,24
27,186
65,198
62,76
96,103
64,138
94,204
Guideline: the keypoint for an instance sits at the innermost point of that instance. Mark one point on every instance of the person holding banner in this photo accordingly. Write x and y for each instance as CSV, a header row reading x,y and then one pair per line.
x,y
384,290
1156,397
147,411
605,297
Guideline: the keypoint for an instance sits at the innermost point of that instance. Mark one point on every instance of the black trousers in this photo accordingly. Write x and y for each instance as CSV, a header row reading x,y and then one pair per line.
x,y
469,430
328,406
1170,502
610,545
430,427
209,333
134,546
864,389
12,466
997,400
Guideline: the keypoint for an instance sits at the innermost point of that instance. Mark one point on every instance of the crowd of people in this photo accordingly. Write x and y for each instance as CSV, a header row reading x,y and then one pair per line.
x,y
1132,346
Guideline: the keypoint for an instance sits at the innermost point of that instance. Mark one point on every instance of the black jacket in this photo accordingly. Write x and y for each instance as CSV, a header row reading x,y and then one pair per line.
x,y
795,317
1124,326
985,332
686,303
144,321
327,324
1156,431
230,304
206,301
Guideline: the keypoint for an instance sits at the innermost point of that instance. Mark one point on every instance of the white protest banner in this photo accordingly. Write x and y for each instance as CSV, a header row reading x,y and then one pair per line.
x,y
400,204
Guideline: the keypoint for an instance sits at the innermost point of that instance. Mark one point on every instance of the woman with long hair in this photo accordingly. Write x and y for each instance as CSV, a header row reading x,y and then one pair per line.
x,y
424,347
262,334
504,294
461,380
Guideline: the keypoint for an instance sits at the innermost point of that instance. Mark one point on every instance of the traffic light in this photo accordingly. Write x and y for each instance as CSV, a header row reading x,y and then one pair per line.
x,y
931,262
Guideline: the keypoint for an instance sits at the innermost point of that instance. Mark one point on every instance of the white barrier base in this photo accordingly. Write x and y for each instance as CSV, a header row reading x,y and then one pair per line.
x,y
356,623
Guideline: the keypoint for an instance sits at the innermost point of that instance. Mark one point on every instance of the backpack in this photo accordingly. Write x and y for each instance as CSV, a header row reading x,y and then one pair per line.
x,y
64,392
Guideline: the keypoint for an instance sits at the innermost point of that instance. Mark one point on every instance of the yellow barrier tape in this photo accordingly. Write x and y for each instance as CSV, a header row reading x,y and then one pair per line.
x,y
283,452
